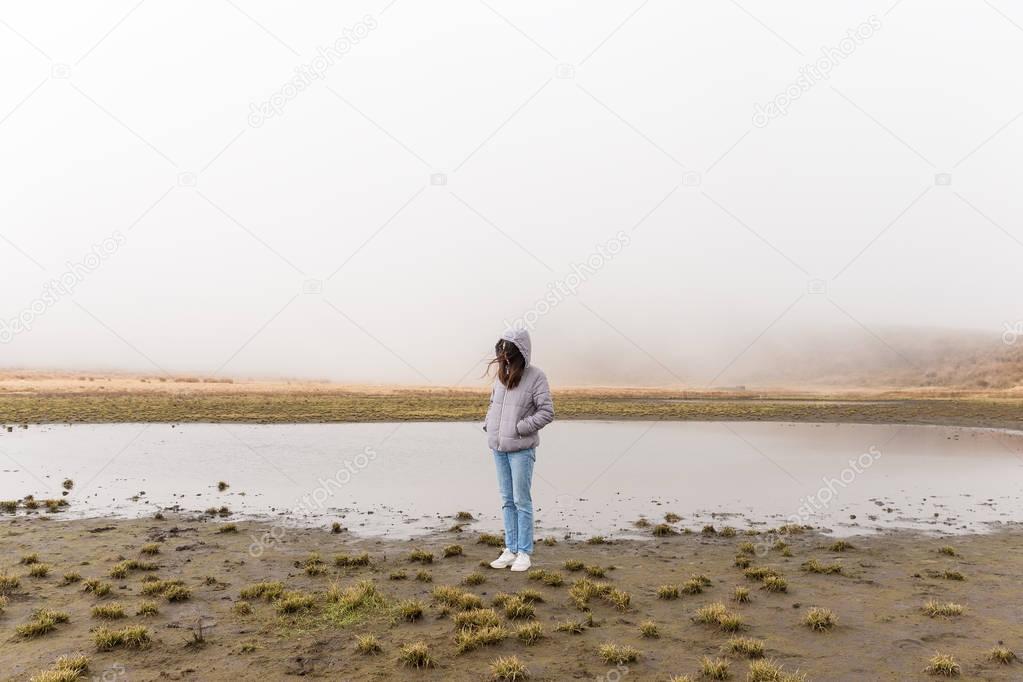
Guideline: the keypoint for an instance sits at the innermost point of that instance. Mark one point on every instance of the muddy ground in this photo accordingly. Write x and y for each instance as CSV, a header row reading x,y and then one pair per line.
x,y
881,631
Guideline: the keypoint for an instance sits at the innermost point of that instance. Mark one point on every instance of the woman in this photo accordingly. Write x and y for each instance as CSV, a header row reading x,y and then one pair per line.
x,y
520,405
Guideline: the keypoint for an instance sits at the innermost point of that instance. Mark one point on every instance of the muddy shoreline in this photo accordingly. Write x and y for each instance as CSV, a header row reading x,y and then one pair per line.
x,y
877,596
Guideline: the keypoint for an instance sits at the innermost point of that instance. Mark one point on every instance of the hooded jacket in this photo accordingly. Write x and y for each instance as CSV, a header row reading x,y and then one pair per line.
x,y
516,415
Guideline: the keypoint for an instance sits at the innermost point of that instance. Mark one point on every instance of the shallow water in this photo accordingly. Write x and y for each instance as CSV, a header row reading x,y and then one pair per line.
x,y
591,477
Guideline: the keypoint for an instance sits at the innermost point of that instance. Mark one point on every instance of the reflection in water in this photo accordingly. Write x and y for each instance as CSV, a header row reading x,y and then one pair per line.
x,y
400,479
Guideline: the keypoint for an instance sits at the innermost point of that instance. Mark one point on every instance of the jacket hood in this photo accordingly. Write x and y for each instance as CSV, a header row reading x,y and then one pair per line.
x,y
520,337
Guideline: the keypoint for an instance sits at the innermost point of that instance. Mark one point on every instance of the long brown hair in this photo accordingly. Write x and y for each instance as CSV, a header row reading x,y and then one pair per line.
x,y
510,363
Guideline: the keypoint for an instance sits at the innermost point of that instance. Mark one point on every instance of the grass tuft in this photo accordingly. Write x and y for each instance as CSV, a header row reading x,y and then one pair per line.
x,y
1001,655
8,583
745,646
508,669
409,610
573,627
108,611
840,546
456,598
530,633
66,669
263,590
715,669
174,593
100,588
710,614
39,570
648,629
351,604
668,592
615,654
717,614
130,637
474,578
549,578
43,622
490,540
367,645
769,671
819,619
944,665
814,566
453,550
759,573
741,595
420,556
517,607
946,610
346,561
149,608
294,602
470,640
476,619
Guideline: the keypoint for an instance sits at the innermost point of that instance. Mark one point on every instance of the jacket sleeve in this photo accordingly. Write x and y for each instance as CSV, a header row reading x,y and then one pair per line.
x,y
544,414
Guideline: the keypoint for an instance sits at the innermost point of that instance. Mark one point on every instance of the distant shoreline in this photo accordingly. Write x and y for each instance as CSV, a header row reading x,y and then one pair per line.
x,y
60,397
282,408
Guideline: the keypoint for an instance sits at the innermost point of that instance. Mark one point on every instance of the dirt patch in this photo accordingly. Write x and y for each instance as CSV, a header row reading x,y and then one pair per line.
x,y
327,617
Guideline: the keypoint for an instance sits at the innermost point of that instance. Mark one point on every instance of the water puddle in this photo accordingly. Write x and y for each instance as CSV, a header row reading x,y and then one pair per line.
x,y
591,476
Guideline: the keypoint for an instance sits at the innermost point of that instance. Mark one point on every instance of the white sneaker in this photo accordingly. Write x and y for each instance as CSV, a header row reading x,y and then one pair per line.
x,y
522,562
506,559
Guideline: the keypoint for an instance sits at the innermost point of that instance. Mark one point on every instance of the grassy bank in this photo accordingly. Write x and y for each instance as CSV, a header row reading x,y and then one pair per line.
x,y
426,405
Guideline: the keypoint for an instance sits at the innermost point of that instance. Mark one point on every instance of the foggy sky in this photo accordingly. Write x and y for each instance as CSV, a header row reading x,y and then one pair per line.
x,y
453,166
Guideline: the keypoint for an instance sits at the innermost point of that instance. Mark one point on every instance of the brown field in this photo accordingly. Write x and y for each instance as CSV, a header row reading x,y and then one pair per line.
x,y
202,631
39,397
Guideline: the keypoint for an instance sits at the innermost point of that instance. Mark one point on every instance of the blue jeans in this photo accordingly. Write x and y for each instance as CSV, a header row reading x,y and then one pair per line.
x,y
515,478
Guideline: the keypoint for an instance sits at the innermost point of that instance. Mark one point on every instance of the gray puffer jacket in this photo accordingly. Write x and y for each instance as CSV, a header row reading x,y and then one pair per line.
x,y
516,415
